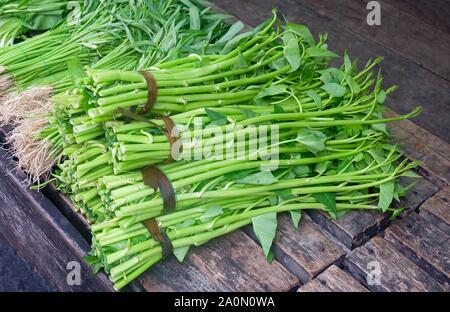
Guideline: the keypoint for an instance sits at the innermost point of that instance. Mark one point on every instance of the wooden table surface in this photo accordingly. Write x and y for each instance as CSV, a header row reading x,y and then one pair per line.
x,y
322,255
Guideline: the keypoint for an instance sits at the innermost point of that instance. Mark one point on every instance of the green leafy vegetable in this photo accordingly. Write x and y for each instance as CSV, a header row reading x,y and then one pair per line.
x,y
386,195
261,178
319,52
265,227
296,217
313,140
329,201
334,90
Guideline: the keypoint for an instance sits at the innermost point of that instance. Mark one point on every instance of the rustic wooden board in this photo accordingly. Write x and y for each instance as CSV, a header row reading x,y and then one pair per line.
x,y
66,207
333,279
419,144
432,12
398,273
354,228
172,276
423,243
423,44
418,86
357,227
306,252
42,235
420,192
437,210
231,263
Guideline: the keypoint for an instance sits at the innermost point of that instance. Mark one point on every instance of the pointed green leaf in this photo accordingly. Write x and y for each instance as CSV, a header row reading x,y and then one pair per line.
x,y
313,140
381,96
296,216
217,119
236,175
194,15
396,213
292,53
242,62
331,74
181,252
334,90
410,173
260,178
211,213
279,63
265,228
302,31
302,170
248,113
319,52
270,256
380,128
272,90
284,195
354,86
316,98
386,195
277,109
233,31
329,201
347,64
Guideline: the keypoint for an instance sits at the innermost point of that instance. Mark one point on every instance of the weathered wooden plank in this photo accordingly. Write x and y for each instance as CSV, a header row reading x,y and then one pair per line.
x,y
396,272
306,252
173,276
424,244
17,275
42,235
419,144
423,44
357,227
333,279
66,207
417,85
419,193
435,144
233,263
437,210
432,12
354,228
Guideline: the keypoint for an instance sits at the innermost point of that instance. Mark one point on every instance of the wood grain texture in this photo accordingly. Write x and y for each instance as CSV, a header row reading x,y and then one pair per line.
x,y
398,273
230,263
354,228
423,243
357,227
437,210
431,12
306,252
419,144
333,279
418,86
173,276
404,34
66,207
420,192
42,235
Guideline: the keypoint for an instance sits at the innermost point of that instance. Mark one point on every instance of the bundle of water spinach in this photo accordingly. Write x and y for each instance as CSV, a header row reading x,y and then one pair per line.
x,y
303,136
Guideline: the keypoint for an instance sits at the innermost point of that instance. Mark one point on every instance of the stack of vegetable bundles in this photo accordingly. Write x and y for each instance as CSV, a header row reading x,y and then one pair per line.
x,y
199,144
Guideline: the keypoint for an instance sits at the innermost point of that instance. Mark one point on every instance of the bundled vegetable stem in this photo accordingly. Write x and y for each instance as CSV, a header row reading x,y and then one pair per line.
x,y
232,127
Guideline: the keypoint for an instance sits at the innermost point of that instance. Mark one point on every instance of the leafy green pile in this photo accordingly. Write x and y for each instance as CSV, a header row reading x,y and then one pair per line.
x,y
113,35
333,150
17,18
326,144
